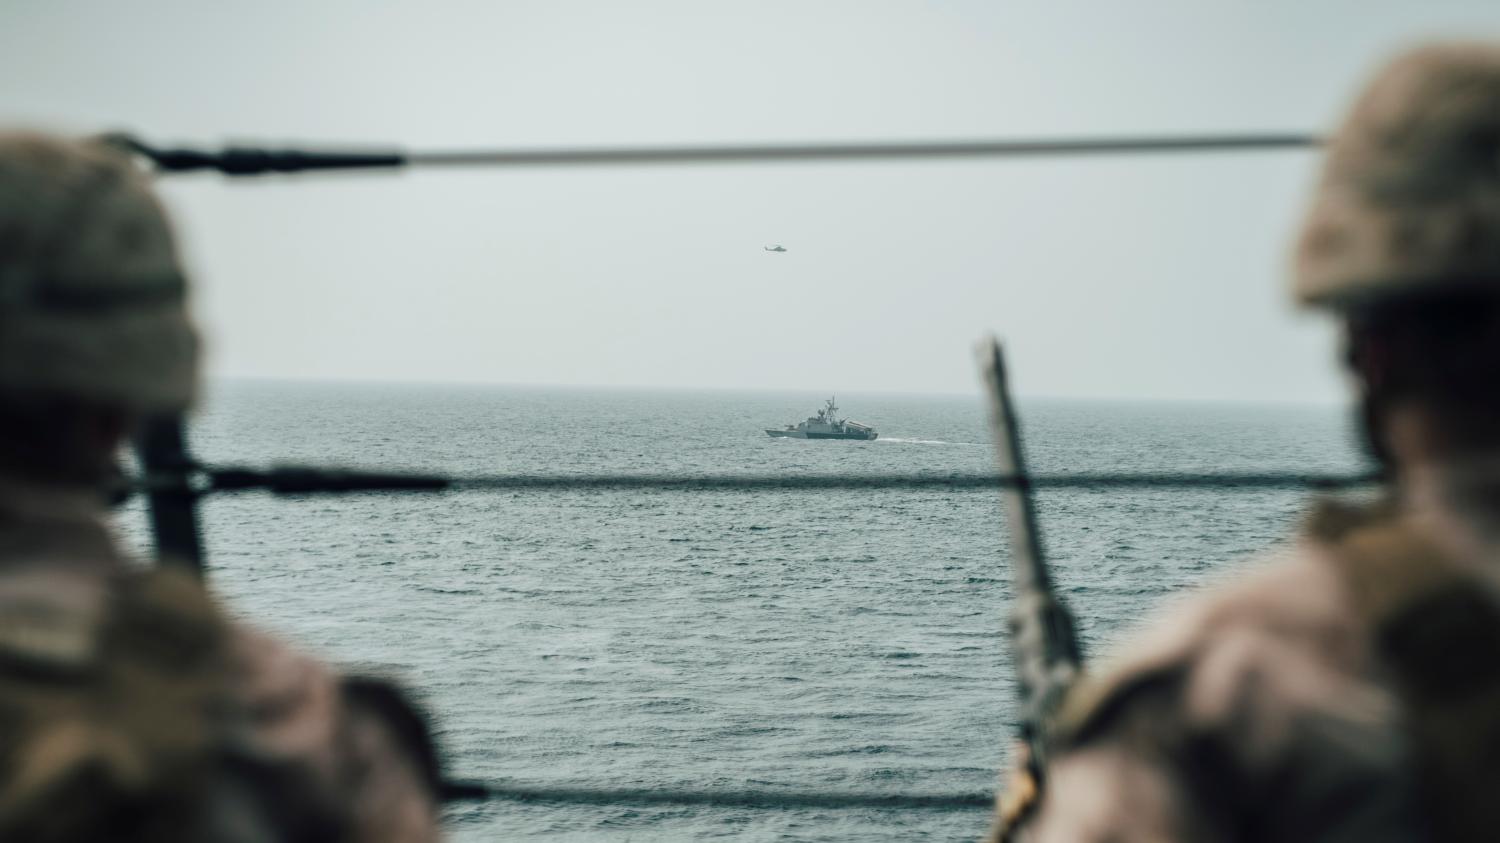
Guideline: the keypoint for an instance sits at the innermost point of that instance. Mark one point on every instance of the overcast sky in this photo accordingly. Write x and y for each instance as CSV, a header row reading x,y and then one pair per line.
x,y
1123,277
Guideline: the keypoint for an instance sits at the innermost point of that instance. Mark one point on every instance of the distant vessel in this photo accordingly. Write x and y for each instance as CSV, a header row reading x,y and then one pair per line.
x,y
826,425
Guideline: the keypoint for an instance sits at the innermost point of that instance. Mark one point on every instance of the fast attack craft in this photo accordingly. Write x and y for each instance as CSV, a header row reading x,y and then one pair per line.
x,y
825,425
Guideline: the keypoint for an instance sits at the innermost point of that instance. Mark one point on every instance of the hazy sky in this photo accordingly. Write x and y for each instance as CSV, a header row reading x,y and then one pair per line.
x,y
1123,277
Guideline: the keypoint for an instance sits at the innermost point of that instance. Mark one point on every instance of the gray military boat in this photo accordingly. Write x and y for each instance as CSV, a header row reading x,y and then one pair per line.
x,y
825,425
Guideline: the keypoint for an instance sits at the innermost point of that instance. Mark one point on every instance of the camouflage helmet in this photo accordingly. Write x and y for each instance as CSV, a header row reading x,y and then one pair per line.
x,y
1409,200
92,298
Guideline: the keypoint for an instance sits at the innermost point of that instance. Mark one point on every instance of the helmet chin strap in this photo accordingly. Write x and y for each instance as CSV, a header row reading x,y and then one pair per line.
x,y
1367,359
171,498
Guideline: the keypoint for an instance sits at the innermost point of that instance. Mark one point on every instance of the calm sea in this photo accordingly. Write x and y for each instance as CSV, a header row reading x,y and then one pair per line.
x,y
831,640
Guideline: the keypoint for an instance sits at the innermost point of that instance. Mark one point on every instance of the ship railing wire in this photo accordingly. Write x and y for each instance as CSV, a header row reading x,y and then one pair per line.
x,y
299,480
303,480
743,799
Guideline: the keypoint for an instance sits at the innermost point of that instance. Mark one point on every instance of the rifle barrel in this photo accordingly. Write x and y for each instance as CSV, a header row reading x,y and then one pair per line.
x,y
1043,640
1028,568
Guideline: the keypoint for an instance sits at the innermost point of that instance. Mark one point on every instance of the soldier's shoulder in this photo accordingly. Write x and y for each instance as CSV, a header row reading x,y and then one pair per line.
x,y
362,739
1194,661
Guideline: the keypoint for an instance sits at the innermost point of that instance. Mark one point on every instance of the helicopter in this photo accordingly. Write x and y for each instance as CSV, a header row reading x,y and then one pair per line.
x,y
776,248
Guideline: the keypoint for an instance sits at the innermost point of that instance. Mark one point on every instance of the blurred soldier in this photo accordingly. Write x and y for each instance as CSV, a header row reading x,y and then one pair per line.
x,y
1351,690
131,708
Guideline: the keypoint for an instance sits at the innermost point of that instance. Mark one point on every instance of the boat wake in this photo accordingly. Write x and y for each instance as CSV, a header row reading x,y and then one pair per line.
x,y
900,441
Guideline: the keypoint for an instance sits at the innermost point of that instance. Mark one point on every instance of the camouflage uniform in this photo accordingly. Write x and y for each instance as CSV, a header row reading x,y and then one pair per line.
x,y
1349,690
131,707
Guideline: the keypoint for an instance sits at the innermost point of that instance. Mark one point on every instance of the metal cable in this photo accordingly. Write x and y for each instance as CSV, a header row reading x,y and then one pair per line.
x,y
886,151
300,480
254,161
984,481
761,799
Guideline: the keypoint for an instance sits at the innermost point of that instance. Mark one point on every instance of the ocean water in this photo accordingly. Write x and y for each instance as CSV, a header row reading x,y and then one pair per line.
x,y
802,640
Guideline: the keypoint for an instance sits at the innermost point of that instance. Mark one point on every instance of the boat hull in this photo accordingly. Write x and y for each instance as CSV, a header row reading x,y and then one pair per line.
x,y
799,434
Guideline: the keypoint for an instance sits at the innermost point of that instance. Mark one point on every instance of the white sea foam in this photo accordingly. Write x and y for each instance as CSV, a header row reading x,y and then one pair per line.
x,y
900,441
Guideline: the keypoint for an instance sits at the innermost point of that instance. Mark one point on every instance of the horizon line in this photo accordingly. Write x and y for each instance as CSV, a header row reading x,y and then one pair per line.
x,y
211,380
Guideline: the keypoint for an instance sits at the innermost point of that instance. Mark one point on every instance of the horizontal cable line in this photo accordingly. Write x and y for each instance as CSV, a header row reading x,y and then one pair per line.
x,y
889,151
976,481
252,161
303,480
760,799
